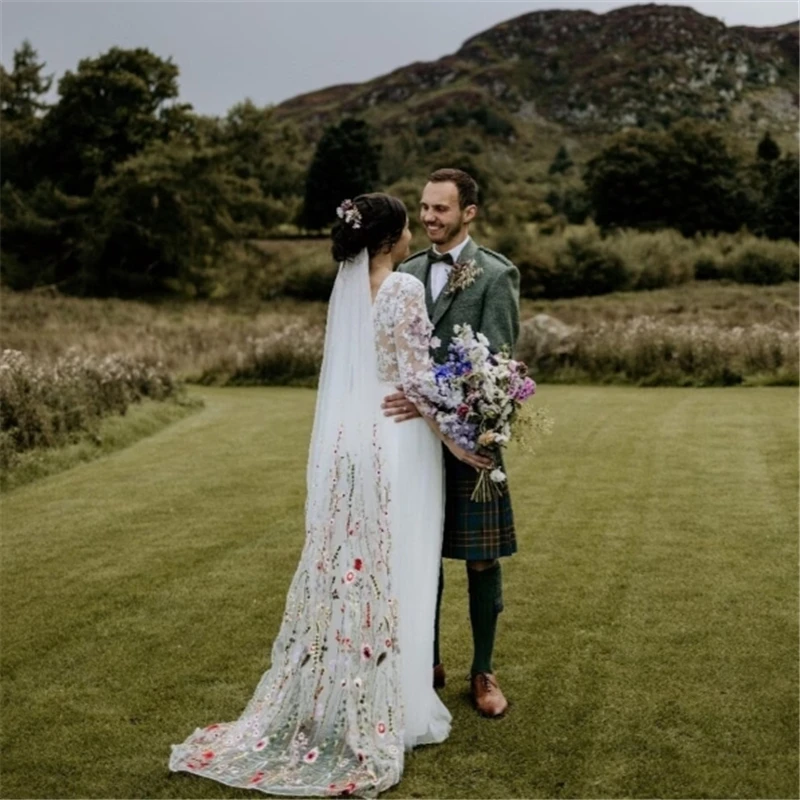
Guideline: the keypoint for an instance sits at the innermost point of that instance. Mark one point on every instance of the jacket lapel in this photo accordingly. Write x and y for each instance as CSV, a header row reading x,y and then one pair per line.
x,y
426,280
445,299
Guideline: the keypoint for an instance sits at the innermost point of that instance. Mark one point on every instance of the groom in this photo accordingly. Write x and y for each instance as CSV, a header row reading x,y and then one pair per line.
x,y
466,283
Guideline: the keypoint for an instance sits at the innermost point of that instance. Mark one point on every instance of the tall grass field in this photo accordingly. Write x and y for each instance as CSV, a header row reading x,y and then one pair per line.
x,y
649,644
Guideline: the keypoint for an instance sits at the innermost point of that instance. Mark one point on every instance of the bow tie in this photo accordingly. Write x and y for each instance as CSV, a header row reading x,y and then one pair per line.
x,y
434,257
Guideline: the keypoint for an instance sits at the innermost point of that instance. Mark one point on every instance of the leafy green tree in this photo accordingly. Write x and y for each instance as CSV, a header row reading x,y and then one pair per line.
x,y
22,104
43,230
161,220
24,87
561,163
108,110
572,201
345,164
782,200
264,148
684,178
768,149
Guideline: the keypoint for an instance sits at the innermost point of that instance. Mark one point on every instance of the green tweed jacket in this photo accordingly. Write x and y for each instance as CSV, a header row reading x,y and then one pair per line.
x,y
490,305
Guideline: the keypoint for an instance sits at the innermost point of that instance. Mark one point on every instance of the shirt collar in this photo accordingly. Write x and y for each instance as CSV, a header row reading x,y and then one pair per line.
x,y
456,251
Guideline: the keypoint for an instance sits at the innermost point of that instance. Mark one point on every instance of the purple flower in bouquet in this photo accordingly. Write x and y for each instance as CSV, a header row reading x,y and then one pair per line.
x,y
479,396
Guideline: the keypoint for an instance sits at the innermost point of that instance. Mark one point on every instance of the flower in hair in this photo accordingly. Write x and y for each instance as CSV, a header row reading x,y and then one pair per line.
x,y
349,213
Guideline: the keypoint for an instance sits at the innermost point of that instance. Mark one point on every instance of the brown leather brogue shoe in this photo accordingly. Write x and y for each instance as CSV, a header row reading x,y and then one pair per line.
x,y
486,695
438,676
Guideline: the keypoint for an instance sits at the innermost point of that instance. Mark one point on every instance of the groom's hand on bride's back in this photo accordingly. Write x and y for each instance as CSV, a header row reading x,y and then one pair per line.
x,y
400,407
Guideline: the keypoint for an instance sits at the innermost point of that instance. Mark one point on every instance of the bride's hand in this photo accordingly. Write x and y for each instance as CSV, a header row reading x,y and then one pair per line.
x,y
399,406
474,460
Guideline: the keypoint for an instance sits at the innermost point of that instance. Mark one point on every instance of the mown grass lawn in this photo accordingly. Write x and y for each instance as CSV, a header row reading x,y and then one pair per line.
x,y
649,644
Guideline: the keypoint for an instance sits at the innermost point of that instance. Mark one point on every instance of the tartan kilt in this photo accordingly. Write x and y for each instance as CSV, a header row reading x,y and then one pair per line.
x,y
474,531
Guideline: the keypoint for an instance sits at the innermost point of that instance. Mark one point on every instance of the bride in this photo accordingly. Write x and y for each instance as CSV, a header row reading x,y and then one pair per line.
x,y
349,688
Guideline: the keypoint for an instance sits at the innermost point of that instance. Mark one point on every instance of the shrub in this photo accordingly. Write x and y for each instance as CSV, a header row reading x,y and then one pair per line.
x,y
290,355
763,262
653,352
654,259
579,263
48,404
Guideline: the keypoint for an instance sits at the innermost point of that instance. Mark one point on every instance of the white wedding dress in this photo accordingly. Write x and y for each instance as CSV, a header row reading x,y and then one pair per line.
x,y
349,688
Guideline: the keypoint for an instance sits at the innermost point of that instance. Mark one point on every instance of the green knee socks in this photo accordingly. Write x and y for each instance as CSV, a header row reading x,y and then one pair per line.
x,y
485,603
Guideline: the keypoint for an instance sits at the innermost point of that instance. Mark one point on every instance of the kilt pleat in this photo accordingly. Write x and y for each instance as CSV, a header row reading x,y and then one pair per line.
x,y
474,531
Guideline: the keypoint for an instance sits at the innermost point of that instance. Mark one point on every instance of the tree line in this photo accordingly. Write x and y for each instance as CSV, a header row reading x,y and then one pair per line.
x,y
117,188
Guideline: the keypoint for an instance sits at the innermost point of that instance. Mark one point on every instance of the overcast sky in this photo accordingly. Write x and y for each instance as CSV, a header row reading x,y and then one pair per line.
x,y
270,51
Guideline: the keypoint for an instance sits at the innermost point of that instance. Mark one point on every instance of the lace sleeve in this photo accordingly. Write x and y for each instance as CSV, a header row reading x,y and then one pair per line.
x,y
412,338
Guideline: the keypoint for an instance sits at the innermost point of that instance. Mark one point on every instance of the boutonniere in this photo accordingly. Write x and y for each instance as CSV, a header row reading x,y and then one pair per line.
x,y
462,275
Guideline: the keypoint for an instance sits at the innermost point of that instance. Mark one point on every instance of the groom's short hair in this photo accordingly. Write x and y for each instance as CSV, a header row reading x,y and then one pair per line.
x,y
465,183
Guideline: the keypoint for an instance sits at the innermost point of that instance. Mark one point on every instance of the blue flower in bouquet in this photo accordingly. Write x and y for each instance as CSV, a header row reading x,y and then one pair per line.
x,y
480,396
463,433
443,372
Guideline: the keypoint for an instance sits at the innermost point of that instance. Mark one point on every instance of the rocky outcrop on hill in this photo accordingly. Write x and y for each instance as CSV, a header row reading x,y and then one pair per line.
x,y
588,72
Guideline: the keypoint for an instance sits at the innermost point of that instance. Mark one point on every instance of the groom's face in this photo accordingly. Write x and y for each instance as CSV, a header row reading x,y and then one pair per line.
x,y
441,214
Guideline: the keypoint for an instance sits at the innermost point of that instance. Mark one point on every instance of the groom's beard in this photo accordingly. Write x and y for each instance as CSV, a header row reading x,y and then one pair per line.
x,y
446,234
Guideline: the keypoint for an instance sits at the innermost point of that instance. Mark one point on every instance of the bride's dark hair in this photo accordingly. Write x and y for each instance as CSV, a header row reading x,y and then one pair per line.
x,y
380,218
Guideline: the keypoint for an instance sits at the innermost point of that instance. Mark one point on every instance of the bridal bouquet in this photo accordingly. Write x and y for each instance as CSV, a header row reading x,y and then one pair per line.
x,y
479,395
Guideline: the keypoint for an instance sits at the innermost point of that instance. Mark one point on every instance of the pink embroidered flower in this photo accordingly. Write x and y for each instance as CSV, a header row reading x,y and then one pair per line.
x,y
350,577
260,744
349,789
358,564
388,642
381,728
462,410
366,652
311,756
257,777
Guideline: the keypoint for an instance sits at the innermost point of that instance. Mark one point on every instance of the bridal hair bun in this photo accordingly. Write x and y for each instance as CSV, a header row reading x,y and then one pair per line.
x,y
372,221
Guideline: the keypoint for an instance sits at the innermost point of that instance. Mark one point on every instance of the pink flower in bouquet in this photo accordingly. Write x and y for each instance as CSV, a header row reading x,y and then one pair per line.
x,y
525,390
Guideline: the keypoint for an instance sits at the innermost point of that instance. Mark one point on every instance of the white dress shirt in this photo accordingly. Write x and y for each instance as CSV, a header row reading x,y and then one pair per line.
x,y
440,272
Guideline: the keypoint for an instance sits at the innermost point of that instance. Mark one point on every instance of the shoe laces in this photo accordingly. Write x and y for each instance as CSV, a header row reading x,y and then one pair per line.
x,y
486,681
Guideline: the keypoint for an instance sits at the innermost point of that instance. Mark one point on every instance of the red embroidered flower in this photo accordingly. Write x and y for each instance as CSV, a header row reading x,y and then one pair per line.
x,y
260,744
358,564
311,756
208,755
462,410
366,652
349,789
381,728
257,777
